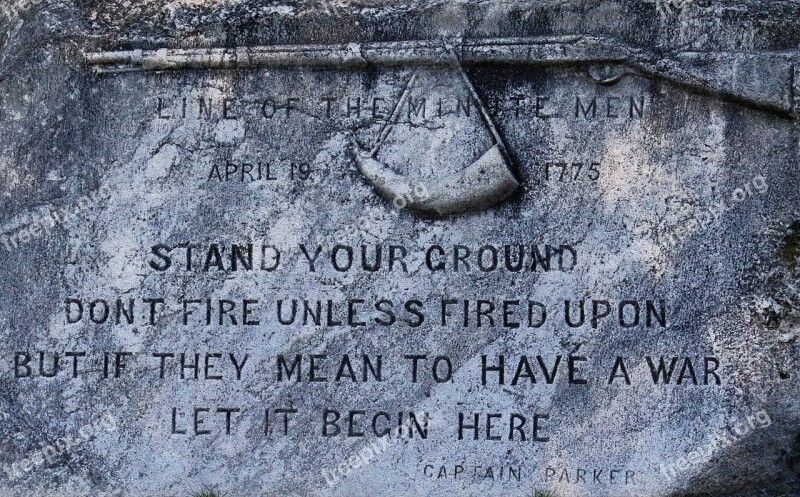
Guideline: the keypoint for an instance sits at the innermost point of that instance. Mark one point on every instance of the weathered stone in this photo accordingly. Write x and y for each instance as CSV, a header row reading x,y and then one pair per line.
x,y
554,243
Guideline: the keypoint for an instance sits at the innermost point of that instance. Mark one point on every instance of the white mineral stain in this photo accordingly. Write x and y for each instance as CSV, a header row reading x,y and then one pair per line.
x,y
10,178
159,166
124,260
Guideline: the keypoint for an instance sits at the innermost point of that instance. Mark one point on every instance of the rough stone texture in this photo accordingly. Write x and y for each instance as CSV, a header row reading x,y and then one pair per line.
x,y
731,288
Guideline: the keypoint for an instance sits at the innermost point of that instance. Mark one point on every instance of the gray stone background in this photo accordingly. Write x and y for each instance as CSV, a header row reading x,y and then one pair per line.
x,y
732,288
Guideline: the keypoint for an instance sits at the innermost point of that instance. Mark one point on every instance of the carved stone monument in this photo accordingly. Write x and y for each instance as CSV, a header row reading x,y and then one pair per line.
x,y
252,248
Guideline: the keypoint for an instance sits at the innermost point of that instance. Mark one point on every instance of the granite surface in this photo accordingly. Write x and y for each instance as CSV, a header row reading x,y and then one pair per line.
x,y
598,198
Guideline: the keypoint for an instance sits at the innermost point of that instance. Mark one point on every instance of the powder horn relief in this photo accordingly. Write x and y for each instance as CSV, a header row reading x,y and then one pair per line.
x,y
486,182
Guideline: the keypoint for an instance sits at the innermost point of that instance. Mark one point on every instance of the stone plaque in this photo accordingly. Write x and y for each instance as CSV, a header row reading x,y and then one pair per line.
x,y
253,248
